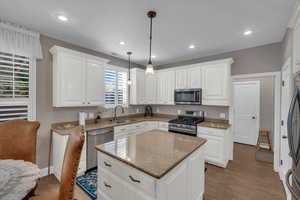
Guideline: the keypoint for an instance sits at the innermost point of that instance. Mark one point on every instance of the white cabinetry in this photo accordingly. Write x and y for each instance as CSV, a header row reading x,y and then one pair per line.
x,y
296,46
78,78
150,89
165,87
117,180
137,88
188,77
219,145
216,83
59,145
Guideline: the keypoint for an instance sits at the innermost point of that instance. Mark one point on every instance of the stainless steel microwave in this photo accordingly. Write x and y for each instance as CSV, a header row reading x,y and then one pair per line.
x,y
188,96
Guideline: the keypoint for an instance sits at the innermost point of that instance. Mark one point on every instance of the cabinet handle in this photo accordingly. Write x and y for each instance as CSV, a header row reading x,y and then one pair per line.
x,y
107,185
134,180
107,164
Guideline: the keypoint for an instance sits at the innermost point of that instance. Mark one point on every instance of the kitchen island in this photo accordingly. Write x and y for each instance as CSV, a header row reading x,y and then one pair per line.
x,y
154,165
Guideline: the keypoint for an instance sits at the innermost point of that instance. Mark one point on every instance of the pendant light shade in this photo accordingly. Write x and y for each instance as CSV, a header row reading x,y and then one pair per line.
x,y
129,82
149,68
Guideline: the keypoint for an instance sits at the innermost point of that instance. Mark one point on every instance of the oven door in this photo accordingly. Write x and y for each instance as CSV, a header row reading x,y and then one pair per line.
x,y
189,96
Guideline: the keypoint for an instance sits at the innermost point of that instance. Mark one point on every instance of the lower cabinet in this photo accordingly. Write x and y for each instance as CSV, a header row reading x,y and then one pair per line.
x,y
137,128
117,180
59,145
219,145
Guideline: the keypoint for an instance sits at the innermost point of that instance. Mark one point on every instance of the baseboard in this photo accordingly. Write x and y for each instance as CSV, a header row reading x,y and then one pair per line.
x,y
44,171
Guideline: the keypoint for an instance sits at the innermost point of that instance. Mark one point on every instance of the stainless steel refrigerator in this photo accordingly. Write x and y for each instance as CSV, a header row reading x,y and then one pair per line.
x,y
293,126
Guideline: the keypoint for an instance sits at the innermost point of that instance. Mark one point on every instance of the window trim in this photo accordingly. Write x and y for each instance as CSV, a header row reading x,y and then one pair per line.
x,y
117,69
31,101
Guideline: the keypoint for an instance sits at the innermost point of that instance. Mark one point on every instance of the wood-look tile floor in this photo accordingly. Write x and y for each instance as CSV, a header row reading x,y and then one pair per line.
x,y
244,179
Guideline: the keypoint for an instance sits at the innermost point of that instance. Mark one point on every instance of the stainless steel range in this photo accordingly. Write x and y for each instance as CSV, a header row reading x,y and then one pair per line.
x,y
186,124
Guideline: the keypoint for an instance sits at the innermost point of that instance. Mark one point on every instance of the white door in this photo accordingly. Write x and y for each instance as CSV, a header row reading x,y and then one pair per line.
x,y
73,81
246,105
286,161
94,82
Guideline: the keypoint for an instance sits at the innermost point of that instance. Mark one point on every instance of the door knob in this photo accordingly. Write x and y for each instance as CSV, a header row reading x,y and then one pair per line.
x,y
253,117
284,137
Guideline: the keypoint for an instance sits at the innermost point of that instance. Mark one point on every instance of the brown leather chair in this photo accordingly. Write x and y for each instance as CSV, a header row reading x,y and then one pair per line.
x,y
18,140
69,170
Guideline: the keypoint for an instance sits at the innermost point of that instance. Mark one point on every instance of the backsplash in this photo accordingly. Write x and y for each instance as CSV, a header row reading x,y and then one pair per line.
x,y
211,111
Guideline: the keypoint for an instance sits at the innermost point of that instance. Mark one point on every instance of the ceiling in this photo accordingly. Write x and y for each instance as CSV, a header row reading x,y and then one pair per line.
x,y
213,26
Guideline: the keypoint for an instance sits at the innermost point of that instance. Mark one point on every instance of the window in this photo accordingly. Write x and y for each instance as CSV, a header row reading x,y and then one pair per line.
x,y
16,96
116,89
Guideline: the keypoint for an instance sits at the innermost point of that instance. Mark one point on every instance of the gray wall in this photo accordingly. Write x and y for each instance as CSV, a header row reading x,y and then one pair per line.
x,y
46,114
260,59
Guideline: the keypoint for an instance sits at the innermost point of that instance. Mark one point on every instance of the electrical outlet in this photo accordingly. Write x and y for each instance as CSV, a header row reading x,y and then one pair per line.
x,y
222,115
178,112
205,114
157,110
137,110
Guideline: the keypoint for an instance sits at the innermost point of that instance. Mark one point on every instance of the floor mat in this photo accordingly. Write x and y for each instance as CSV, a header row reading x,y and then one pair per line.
x,y
88,183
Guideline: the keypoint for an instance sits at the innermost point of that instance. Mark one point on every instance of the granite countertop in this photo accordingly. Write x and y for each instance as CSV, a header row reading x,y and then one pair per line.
x,y
154,152
215,123
64,128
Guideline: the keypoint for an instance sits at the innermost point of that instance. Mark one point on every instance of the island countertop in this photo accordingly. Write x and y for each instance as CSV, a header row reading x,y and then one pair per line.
x,y
154,152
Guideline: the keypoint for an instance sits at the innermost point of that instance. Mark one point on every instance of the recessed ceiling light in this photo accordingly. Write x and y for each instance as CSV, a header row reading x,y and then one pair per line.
x,y
62,18
248,32
192,46
122,43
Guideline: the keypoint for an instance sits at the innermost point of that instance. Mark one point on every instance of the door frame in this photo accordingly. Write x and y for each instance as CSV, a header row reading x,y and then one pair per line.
x,y
258,106
277,110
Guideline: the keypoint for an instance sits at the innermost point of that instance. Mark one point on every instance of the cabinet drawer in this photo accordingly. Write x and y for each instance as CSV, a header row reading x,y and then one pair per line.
x,y
127,173
110,185
210,131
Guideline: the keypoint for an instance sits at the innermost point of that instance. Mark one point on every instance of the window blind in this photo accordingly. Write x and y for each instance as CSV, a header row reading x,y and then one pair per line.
x,y
14,76
116,90
15,101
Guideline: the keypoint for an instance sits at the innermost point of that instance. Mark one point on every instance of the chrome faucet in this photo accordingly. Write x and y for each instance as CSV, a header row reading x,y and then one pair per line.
x,y
115,112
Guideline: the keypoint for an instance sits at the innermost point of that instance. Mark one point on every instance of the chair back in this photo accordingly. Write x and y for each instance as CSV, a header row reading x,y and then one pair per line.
x,y
71,163
18,140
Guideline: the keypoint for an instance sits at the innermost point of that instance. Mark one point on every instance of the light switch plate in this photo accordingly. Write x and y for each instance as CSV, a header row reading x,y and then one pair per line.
x,y
222,115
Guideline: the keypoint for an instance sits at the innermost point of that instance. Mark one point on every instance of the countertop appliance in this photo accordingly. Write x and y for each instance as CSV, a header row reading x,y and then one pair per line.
x,y
293,128
94,138
148,111
186,124
188,96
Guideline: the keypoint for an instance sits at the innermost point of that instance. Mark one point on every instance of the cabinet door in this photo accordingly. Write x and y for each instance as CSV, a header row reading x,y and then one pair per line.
x,y
194,77
160,88
140,87
72,75
214,148
181,79
169,87
215,83
150,89
94,82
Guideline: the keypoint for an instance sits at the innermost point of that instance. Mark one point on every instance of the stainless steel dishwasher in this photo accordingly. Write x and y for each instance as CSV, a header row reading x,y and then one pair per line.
x,y
94,138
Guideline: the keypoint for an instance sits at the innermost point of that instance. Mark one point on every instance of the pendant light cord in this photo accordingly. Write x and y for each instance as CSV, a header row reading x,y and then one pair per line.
x,y
150,61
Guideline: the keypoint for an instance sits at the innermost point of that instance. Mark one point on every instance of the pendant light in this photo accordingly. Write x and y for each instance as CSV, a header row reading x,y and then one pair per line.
x,y
129,82
149,68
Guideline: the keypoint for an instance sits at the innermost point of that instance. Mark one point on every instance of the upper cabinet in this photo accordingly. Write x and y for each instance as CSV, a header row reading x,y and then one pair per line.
x,y
165,87
78,78
137,88
188,77
216,83
150,89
